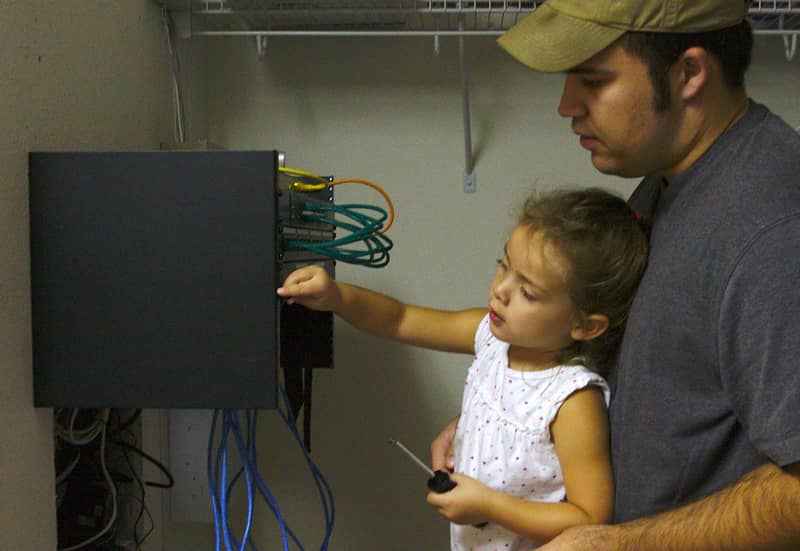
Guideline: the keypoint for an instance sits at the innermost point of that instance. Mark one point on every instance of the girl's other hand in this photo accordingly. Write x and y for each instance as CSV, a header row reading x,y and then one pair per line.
x,y
464,504
442,448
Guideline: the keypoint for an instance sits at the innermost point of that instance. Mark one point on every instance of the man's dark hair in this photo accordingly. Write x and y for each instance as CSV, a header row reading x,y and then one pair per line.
x,y
732,46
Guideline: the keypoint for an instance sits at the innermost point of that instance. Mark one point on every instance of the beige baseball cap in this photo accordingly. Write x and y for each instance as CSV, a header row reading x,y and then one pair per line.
x,y
561,34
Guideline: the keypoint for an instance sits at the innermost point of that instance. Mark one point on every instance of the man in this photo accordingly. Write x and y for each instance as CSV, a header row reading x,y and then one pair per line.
x,y
705,412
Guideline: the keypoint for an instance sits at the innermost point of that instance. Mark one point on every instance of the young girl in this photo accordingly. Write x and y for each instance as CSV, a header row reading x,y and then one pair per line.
x,y
531,445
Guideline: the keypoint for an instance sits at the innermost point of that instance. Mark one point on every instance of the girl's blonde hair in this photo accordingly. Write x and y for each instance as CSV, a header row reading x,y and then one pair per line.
x,y
605,245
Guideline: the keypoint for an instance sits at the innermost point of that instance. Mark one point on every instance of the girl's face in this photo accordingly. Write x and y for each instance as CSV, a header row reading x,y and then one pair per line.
x,y
529,307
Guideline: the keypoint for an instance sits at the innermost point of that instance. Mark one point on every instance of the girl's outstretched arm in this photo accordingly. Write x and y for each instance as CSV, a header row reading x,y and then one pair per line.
x,y
382,315
580,433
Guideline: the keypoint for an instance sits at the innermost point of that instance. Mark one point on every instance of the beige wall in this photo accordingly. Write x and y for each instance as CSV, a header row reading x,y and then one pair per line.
x,y
73,76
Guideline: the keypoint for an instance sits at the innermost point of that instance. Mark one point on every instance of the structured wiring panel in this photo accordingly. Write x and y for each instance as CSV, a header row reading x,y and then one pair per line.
x,y
293,226
306,336
153,285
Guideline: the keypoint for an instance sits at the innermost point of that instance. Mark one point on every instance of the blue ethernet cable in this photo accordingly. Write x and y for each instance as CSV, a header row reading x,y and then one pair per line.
x,y
221,489
222,486
246,467
246,539
211,480
319,479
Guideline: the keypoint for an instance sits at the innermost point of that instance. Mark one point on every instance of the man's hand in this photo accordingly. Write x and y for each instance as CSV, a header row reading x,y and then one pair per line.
x,y
442,448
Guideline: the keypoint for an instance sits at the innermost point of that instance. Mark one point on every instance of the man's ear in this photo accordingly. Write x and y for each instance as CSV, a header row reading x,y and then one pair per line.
x,y
590,327
692,71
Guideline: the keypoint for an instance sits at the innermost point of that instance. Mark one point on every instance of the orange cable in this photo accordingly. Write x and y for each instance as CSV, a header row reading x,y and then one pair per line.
x,y
376,187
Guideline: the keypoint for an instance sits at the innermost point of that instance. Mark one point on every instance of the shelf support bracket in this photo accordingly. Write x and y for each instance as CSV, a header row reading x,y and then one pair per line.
x,y
789,42
262,41
470,184
790,46
436,37
182,21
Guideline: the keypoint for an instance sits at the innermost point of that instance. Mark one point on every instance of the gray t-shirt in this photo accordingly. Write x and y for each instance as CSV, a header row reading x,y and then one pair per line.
x,y
707,386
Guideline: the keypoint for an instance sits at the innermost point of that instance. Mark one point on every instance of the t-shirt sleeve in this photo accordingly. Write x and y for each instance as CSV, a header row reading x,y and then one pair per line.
x,y
759,341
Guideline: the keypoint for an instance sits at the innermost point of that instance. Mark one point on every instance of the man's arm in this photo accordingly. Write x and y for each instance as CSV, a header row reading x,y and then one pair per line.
x,y
760,512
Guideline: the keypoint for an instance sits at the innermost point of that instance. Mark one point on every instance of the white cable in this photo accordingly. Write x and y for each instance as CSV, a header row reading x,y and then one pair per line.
x,y
177,92
66,472
79,437
112,488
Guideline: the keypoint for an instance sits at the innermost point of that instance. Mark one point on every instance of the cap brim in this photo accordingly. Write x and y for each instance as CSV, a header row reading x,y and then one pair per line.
x,y
551,42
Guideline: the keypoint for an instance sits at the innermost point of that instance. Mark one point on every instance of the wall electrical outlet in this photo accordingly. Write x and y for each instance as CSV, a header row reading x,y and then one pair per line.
x,y
188,449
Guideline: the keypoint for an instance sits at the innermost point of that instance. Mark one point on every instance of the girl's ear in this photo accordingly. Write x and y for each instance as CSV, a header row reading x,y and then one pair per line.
x,y
590,327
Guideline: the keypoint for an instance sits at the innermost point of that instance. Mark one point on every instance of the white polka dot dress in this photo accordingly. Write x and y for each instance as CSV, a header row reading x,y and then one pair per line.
x,y
503,434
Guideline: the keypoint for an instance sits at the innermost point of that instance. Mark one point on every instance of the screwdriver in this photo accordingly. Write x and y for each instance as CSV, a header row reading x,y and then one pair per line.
x,y
439,481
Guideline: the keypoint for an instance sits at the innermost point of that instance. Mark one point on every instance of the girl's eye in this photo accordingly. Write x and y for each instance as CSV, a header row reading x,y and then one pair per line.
x,y
526,295
501,264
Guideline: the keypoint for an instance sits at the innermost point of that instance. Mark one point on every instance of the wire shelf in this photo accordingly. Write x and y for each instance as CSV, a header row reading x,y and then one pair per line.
x,y
402,17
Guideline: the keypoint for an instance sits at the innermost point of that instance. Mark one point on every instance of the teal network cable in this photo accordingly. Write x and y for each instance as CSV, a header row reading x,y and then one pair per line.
x,y
364,230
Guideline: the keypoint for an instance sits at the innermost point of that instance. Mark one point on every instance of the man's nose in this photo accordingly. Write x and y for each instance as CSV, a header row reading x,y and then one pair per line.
x,y
571,105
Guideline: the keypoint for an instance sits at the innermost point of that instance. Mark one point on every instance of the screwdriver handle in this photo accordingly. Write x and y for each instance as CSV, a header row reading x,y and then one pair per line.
x,y
440,482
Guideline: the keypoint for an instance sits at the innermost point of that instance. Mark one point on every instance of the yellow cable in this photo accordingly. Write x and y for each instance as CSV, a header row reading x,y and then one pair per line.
x,y
300,186
295,172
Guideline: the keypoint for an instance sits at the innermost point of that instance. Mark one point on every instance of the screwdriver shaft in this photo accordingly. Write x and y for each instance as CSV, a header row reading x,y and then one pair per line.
x,y
413,457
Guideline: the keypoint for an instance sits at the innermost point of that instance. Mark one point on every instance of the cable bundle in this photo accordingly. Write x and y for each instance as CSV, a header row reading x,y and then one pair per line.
x,y
364,229
221,489
93,449
84,437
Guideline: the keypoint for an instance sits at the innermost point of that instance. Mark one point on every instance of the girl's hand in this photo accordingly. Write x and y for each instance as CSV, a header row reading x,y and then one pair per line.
x,y
312,287
467,503
442,448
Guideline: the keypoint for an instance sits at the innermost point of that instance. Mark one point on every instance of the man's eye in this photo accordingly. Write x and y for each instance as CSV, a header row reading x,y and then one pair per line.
x,y
593,82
